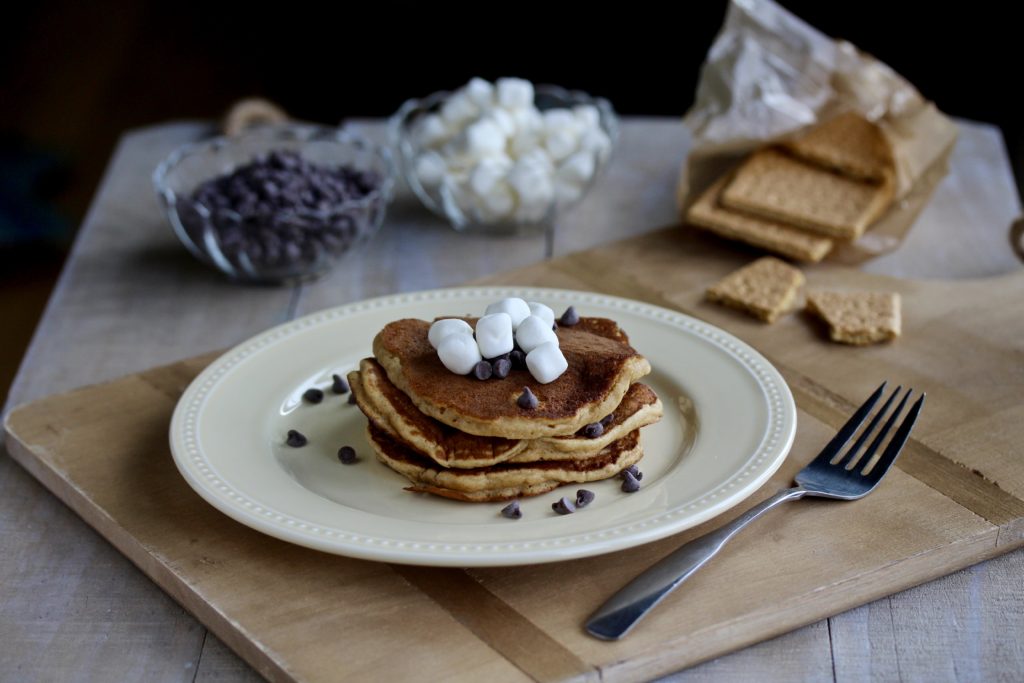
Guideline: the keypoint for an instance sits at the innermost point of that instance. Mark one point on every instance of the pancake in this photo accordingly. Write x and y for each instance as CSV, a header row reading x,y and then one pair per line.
x,y
503,481
383,403
602,366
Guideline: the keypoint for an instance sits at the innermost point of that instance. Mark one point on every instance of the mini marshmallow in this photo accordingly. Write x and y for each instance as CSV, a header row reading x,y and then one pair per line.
x,y
514,93
533,332
541,311
560,120
485,138
480,93
459,353
488,173
587,115
578,168
494,334
516,308
560,144
430,169
433,131
531,181
457,109
546,363
442,328
505,121
499,202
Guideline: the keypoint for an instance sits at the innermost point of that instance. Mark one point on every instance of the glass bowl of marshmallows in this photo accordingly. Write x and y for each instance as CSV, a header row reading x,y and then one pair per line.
x,y
504,156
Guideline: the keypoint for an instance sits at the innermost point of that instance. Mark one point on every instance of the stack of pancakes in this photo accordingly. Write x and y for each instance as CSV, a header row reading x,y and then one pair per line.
x,y
469,439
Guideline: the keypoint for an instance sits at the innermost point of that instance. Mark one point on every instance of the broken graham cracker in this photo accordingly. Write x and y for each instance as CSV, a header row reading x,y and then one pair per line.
x,y
765,288
848,144
858,318
769,235
771,184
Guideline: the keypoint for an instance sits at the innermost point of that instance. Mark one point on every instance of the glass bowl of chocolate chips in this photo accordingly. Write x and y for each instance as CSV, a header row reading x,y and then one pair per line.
x,y
276,204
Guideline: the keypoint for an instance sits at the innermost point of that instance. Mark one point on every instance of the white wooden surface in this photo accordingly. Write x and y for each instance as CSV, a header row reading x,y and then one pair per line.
x,y
73,609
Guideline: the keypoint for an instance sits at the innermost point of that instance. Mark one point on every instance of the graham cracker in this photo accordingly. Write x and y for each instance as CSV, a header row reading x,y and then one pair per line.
x,y
765,288
858,318
773,236
776,186
848,144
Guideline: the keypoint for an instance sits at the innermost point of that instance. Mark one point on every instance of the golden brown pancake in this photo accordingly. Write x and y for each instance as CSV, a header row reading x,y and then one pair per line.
x,y
602,366
383,403
503,481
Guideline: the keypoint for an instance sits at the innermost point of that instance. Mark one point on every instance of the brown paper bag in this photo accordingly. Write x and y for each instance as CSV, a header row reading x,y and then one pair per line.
x,y
769,75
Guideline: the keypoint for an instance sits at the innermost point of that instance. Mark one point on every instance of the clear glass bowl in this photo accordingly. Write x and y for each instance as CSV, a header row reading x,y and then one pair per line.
x,y
284,244
442,200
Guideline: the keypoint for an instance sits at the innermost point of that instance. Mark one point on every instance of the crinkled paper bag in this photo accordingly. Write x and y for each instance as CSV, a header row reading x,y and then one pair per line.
x,y
770,75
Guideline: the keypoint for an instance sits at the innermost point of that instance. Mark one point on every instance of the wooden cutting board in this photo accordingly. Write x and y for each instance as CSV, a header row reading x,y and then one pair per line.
x,y
956,497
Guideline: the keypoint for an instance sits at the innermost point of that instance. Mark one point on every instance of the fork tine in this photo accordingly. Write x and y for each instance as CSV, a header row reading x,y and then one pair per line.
x,y
851,456
848,429
895,446
873,448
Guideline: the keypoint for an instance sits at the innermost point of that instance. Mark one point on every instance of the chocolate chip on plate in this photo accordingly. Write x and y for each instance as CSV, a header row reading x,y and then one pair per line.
x,y
512,511
347,455
634,470
296,439
584,498
526,400
564,506
593,430
482,370
501,367
339,385
313,395
570,317
630,484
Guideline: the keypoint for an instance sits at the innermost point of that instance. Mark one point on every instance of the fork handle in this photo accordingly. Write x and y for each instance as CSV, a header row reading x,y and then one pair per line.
x,y
623,610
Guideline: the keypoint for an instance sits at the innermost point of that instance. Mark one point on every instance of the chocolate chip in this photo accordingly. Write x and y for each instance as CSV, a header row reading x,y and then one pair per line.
x,y
502,367
482,370
633,470
526,400
352,399
593,430
570,317
607,419
296,439
340,385
512,511
584,498
518,359
347,455
564,506
313,395
630,484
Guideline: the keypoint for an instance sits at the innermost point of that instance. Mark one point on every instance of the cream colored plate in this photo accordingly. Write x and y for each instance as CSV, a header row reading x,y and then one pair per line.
x,y
729,422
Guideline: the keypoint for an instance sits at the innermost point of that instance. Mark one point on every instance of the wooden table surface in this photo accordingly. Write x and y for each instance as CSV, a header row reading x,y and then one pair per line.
x,y
130,298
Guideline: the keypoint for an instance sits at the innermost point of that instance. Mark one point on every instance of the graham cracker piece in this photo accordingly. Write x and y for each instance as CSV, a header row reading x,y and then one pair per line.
x,y
848,144
765,288
774,185
770,235
858,318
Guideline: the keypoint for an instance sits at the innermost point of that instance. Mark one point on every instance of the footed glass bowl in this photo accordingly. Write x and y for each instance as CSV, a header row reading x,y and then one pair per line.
x,y
443,198
318,194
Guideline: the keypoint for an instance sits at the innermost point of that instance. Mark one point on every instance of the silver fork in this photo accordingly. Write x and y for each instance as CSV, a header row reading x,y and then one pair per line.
x,y
849,477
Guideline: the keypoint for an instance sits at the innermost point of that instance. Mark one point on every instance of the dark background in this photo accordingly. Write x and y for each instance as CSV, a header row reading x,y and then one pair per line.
x,y
74,75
